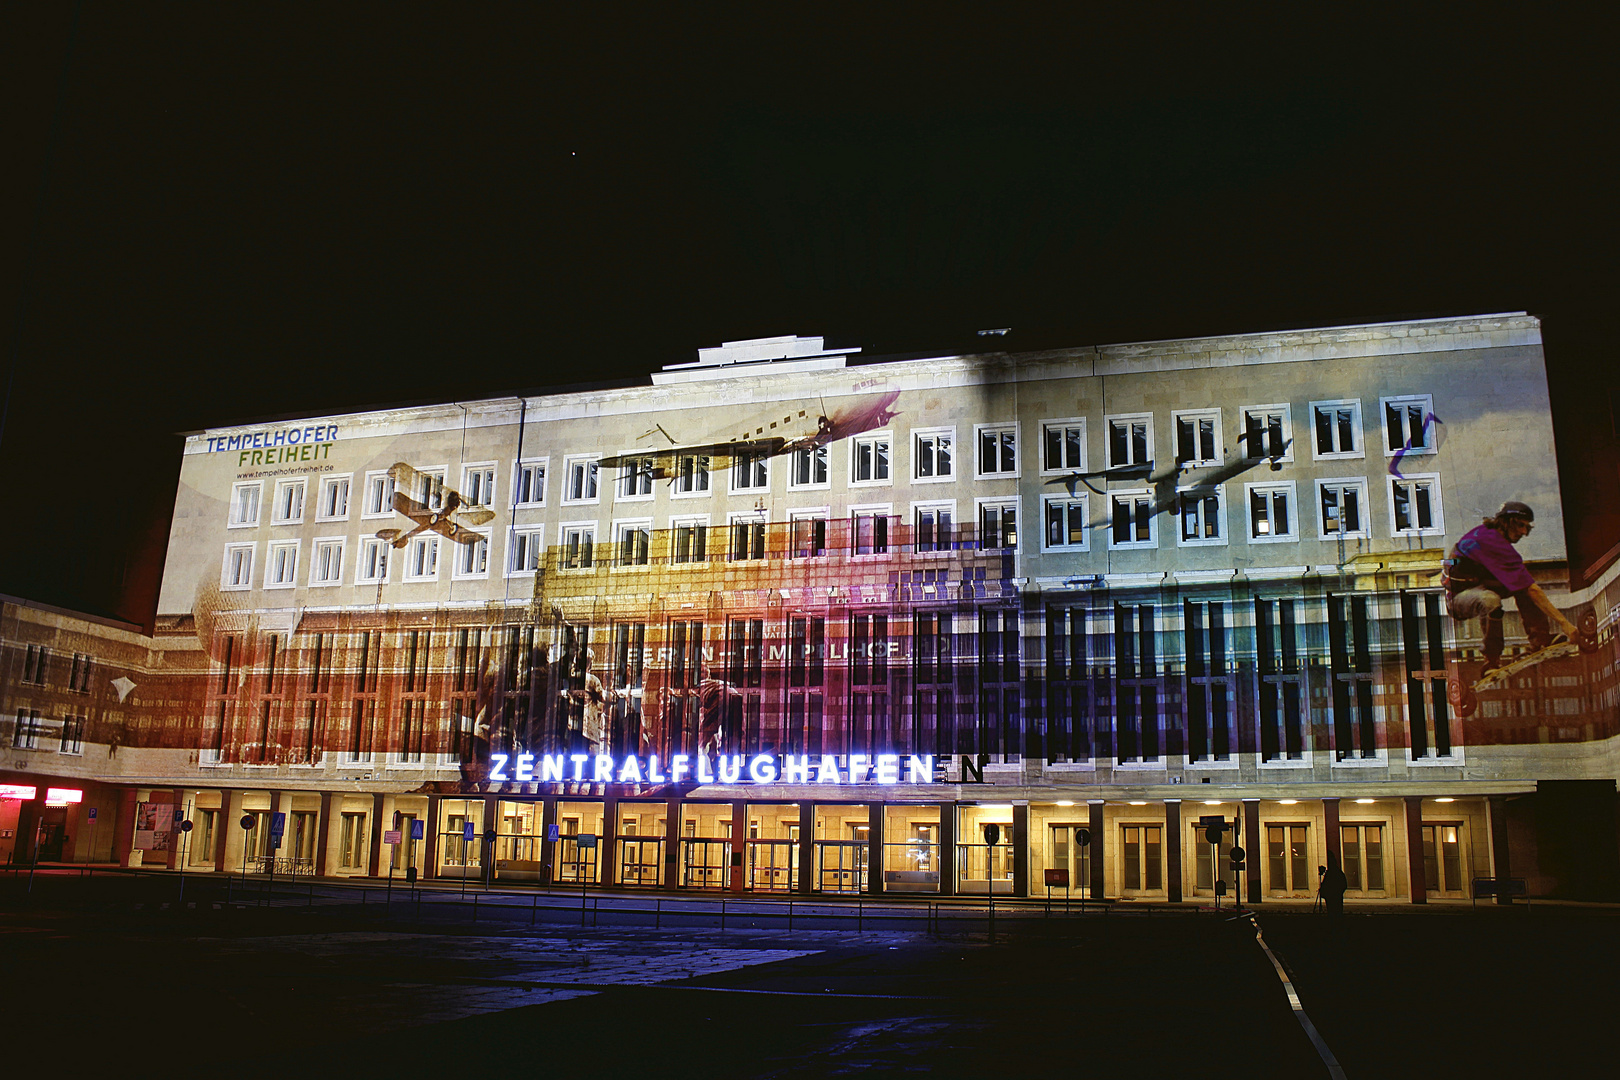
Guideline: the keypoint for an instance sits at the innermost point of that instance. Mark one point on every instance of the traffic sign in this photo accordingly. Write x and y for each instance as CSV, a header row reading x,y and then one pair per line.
x,y
247,821
552,831
416,829
185,826
1082,837
1237,854
992,834
92,813
469,834
586,840
1059,877
278,824
391,836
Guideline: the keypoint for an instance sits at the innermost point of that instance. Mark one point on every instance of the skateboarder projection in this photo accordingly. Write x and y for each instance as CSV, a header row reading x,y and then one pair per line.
x,y
1483,569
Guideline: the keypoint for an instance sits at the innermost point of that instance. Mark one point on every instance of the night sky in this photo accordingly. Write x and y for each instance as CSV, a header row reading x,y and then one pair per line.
x,y
216,215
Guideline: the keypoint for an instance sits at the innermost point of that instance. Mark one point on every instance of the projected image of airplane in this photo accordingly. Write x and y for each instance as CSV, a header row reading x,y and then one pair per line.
x,y
435,508
762,437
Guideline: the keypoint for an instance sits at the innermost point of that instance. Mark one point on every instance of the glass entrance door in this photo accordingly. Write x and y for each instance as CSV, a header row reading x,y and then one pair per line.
x,y
1443,859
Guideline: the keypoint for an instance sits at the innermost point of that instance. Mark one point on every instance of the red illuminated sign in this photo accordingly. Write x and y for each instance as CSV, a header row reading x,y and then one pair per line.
x,y
61,796
17,791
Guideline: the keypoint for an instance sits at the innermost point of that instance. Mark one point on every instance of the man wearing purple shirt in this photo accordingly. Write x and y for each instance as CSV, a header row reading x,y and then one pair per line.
x,y
1483,568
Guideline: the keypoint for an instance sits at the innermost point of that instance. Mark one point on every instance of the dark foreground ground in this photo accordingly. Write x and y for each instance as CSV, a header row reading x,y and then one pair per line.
x,y
99,977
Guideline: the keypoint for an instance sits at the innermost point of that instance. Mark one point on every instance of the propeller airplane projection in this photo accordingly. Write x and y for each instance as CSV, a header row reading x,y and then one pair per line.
x,y
1168,485
795,431
439,509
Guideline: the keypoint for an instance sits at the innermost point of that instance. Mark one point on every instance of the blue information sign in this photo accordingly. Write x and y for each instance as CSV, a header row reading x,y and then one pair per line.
x,y
416,830
467,832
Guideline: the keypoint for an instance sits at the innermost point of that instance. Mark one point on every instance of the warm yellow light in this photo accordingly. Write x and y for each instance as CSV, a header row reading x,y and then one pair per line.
x,y
1212,802
1065,802
1138,802
1288,802
1445,798
1364,802
995,806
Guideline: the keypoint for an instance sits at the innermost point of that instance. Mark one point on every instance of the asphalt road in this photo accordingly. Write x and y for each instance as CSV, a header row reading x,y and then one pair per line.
x,y
98,977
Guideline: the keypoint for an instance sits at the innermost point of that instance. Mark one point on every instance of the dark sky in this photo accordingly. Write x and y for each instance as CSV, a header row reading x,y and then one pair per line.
x,y
213,214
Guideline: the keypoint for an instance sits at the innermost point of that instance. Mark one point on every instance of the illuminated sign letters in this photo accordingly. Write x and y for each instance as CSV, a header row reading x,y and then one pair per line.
x,y
884,769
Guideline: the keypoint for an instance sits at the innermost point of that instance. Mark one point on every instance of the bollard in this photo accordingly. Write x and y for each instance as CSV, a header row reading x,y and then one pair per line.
x,y
860,902
658,913
534,906
790,915
722,913
475,908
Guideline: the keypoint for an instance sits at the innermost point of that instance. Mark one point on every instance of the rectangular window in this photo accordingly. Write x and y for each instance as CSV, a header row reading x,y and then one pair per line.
x,y
748,538
472,560
79,674
1198,437
1341,505
326,562
26,735
1282,688
352,842
373,561
809,539
1141,854
35,661
689,540
998,525
529,483
1063,445
379,495
1362,848
1069,686
1408,424
478,485
1209,691
1130,440
1414,505
429,488
1267,433
692,474
245,504
1133,519
422,559
238,571
809,467
282,565
1428,712
1065,523
871,533
1337,429
1136,683
289,505
636,478
931,454
998,450
869,459
523,553
634,540
1271,516
1202,513
72,735
334,502
578,546
750,472
1355,736
1288,860
933,531
581,480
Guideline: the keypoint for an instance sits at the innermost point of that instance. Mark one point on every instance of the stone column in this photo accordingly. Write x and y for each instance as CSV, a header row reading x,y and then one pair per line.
x,y
1099,879
1172,850
324,847
123,838
607,852
1252,844
228,855
548,850
807,847
739,846
947,848
1417,880
1501,868
1020,839
874,848
672,844
1330,825
486,850
374,855
430,839
177,840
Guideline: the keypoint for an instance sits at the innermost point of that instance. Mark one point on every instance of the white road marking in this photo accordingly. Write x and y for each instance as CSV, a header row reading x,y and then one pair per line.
x,y
1334,1069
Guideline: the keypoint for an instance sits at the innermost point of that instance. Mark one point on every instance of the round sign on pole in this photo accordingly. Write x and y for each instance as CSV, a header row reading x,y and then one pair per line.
x,y
1082,837
1237,854
247,821
1212,834
992,834
185,826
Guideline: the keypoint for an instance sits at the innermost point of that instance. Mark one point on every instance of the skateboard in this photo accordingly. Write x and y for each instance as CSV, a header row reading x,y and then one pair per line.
x,y
1528,660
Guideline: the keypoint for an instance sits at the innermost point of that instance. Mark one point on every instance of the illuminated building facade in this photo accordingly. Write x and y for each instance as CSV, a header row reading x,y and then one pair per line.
x,y
786,621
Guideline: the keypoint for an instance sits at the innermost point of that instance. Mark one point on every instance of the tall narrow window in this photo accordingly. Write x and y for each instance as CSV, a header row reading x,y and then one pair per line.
x,y
998,525
1069,689
529,484
1271,513
1350,654
933,531
1282,686
1136,699
689,540
1414,503
871,534
478,485
1428,715
1209,692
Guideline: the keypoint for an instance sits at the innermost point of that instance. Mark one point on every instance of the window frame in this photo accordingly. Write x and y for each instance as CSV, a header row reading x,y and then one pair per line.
x,y
869,510
1085,447
328,483
620,527
388,489
633,476
979,431
999,502
736,468
676,491
1436,504
536,531
810,485
409,551
225,566
492,471
1220,438
270,564
1358,432
592,462
808,514
565,532
456,573
1293,535
871,438
749,518
1084,499
1342,482
677,523
1404,399
1152,542
916,435
1224,522
316,546
367,543
527,464
295,515
934,506
1287,430
1108,449
256,486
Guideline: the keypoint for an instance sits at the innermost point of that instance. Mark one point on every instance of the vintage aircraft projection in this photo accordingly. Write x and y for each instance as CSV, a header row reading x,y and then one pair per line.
x,y
765,437
1171,491
434,508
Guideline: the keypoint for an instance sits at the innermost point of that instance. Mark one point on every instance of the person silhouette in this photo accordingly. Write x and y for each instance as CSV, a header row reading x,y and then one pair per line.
x,y
1333,885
